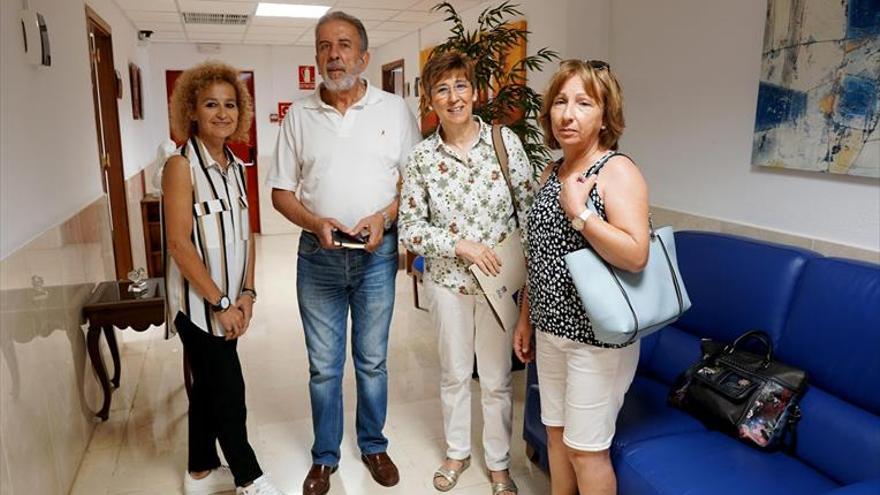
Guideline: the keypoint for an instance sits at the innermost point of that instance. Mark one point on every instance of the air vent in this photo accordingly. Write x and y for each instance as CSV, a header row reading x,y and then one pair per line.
x,y
215,18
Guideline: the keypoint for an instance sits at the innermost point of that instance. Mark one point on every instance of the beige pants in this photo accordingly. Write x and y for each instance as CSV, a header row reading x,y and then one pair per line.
x,y
582,388
465,326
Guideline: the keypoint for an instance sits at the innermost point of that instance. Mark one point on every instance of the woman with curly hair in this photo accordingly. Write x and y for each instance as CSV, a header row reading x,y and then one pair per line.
x,y
209,273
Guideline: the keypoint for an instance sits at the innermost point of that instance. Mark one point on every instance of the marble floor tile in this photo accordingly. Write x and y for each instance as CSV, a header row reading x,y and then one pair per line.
x,y
142,448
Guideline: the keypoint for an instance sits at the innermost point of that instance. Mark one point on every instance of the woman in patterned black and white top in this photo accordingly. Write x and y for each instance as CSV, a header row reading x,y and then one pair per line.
x,y
209,273
583,380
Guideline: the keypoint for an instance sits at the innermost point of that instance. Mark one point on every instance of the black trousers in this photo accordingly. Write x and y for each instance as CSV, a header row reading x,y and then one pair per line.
x,y
217,409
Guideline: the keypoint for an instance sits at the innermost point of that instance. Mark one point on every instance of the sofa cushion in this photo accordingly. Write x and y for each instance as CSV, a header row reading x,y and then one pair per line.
x,y
870,487
709,462
833,330
736,284
646,414
838,439
673,352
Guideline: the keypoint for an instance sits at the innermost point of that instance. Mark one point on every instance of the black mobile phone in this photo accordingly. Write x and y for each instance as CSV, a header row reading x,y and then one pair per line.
x,y
342,239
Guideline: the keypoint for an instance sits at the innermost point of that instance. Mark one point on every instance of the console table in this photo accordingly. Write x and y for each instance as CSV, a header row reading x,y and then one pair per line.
x,y
112,305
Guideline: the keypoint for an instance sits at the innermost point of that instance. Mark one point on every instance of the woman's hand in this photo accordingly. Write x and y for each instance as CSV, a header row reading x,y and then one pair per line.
x,y
232,320
522,340
574,194
480,254
245,303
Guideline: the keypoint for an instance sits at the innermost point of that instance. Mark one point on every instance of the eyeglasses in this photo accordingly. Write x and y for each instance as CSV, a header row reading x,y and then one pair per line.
x,y
443,91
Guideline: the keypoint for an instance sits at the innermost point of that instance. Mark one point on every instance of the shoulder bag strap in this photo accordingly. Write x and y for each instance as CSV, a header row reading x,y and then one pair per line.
x,y
501,153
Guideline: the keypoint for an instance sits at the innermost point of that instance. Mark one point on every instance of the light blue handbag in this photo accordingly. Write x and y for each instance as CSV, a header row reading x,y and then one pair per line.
x,y
625,306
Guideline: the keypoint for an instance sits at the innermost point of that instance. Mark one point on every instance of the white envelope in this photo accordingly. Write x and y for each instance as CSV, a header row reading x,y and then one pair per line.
x,y
500,289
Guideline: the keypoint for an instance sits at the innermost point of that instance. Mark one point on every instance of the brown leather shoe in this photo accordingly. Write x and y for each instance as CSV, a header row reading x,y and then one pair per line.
x,y
318,480
382,468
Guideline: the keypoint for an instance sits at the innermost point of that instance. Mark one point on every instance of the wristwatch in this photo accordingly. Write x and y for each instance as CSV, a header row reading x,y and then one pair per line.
x,y
387,218
222,305
578,222
250,292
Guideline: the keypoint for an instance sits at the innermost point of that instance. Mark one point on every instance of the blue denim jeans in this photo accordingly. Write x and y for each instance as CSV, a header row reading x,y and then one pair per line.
x,y
329,283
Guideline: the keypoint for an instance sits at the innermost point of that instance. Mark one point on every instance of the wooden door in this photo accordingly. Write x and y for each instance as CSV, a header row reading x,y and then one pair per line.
x,y
109,139
247,152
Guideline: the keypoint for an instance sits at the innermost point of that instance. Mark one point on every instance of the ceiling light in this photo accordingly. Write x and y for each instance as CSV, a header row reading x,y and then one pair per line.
x,y
289,10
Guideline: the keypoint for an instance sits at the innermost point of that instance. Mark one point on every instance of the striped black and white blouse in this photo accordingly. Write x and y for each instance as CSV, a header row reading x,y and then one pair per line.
x,y
220,234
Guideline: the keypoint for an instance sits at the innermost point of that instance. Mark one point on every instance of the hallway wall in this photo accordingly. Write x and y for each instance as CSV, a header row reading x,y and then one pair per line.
x,y
55,240
48,150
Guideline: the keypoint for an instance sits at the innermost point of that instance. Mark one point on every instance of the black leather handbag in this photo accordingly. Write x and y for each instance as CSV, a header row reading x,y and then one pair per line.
x,y
747,394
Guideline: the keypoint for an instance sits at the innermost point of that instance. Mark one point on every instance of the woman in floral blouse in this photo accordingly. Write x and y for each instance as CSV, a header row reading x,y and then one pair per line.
x,y
455,207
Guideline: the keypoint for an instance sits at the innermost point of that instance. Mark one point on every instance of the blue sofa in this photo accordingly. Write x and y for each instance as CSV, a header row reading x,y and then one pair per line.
x,y
823,315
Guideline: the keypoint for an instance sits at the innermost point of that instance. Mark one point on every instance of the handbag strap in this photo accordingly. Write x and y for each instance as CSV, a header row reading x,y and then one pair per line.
x,y
759,335
501,154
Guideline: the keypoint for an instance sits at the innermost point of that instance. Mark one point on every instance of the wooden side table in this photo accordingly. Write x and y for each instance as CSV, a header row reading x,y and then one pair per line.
x,y
111,304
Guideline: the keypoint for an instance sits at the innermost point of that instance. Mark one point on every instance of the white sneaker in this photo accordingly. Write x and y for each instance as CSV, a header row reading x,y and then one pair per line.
x,y
217,481
261,486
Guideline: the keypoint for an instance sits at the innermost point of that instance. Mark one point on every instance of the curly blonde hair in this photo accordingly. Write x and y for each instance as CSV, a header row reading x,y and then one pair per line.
x,y
602,86
185,96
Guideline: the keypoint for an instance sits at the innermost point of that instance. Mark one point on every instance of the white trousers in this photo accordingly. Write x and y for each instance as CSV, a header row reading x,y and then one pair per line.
x,y
466,326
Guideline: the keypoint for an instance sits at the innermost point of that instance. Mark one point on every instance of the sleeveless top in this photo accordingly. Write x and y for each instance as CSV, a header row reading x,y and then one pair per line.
x,y
555,306
220,233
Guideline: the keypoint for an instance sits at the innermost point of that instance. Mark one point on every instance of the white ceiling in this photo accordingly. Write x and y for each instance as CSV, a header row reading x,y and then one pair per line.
x,y
385,20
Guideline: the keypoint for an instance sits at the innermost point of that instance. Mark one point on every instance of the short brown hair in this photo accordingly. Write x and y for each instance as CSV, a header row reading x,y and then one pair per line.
x,y
440,66
602,86
185,96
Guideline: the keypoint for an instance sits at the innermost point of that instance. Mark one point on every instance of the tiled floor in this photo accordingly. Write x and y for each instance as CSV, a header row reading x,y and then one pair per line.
x,y
142,448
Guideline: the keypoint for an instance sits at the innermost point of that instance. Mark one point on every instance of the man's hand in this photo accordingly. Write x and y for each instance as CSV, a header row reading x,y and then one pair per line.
x,y
324,230
375,225
480,254
232,320
245,304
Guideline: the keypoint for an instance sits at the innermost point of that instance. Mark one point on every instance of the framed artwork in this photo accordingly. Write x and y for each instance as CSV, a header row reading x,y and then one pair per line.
x,y
818,107
137,104
118,85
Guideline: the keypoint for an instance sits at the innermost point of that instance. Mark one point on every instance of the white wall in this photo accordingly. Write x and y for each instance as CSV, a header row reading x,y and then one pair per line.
x,y
49,166
406,48
275,79
690,72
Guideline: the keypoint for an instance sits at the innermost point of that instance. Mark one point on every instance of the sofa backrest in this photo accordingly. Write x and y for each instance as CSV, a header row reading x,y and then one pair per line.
x,y
735,284
833,333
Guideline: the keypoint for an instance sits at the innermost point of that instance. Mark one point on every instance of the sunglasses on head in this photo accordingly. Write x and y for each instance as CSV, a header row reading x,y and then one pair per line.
x,y
593,64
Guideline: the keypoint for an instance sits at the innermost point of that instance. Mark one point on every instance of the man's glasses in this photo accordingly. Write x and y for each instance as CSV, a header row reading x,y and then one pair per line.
x,y
444,91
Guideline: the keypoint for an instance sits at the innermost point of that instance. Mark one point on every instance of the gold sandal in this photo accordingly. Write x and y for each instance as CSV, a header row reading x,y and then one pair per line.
x,y
450,475
503,486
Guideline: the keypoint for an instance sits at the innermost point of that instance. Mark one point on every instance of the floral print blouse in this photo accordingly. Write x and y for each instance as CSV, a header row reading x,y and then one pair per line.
x,y
447,198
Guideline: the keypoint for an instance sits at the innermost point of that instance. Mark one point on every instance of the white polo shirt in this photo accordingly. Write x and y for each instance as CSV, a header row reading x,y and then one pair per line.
x,y
345,166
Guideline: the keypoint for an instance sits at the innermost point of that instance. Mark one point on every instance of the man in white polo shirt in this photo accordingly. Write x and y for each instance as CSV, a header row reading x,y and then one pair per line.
x,y
343,149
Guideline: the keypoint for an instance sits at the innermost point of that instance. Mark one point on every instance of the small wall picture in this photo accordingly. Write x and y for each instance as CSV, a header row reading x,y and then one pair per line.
x,y
118,85
137,105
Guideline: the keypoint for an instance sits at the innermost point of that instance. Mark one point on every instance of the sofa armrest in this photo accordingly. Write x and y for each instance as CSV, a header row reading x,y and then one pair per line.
x,y
869,487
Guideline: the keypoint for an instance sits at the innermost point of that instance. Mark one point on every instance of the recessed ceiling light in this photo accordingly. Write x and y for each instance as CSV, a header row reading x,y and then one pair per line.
x,y
290,10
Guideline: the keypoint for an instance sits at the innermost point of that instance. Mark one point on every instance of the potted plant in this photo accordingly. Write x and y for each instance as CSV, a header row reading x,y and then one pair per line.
x,y
504,97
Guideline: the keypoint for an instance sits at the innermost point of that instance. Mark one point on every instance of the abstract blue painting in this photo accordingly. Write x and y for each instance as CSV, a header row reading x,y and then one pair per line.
x,y
819,95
